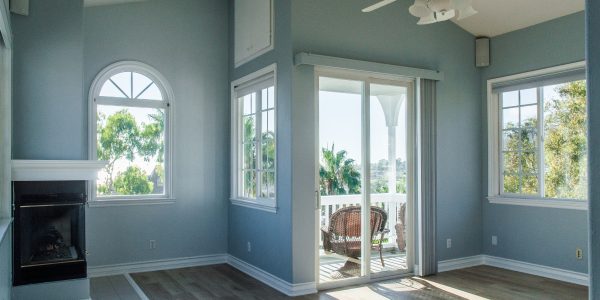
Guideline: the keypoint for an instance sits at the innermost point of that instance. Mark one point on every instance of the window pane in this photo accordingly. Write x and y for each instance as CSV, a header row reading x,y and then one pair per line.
x,y
530,185
152,93
132,140
249,156
511,162
510,99
529,116
248,128
529,139
565,143
528,96
271,181
510,140
249,184
271,94
123,82
510,118
264,99
140,84
529,164
511,183
109,89
268,145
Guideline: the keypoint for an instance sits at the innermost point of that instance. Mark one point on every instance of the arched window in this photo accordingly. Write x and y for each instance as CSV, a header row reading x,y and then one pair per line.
x,y
130,106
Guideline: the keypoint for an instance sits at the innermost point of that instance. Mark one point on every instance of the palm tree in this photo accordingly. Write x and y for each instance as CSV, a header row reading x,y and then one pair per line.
x,y
339,175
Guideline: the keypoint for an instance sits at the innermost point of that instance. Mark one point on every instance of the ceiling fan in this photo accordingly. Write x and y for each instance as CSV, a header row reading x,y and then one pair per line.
x,y
431,11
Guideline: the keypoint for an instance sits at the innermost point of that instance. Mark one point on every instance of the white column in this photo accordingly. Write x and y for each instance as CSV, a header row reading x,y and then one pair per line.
x,y
391,109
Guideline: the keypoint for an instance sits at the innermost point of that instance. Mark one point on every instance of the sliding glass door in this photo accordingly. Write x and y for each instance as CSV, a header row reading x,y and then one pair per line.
x,y
363,178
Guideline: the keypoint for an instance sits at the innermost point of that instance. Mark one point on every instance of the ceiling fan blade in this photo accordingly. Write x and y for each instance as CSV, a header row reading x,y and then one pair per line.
x,y
378,5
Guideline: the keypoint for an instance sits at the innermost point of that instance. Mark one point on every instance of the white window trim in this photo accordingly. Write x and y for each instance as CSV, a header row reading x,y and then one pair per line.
x,y
168,104
494,180
264,204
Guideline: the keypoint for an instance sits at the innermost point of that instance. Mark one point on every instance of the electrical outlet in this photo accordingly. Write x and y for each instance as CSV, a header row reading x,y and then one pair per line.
x,y
152,244
448,243
249,247
579,253
494,240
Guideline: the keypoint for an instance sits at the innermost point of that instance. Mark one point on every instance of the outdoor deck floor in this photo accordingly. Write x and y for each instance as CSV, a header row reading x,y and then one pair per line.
x,y
330,264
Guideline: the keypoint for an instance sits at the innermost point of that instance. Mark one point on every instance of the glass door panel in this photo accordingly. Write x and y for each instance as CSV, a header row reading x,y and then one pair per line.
x,y
388,177
340,176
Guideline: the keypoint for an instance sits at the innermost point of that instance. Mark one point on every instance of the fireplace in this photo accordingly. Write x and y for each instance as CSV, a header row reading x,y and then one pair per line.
x,y
49,231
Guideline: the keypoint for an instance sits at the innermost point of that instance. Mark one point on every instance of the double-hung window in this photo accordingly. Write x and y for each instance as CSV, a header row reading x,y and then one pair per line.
x,y
537,138
254,140
130,106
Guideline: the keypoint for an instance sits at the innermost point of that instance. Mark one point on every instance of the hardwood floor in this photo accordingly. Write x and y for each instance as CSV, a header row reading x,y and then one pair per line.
x,y
112,287
483,282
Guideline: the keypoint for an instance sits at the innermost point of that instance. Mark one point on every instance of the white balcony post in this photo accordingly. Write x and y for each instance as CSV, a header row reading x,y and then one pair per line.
x,y
391,109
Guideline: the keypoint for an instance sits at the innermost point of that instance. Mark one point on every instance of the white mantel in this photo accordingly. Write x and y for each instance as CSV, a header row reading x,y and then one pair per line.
x,y
47,170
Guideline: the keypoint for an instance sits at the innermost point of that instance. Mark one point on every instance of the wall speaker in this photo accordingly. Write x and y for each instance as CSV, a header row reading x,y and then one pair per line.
x,y
20,7
482,52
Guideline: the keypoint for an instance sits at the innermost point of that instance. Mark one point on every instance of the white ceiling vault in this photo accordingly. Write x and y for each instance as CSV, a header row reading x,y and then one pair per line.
x,y
497,17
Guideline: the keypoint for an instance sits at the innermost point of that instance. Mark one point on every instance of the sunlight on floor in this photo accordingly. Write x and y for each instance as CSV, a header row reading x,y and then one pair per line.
x,y
391,290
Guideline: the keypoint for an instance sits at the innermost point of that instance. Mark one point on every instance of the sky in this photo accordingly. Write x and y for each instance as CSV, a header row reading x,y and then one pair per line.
x,y
340,124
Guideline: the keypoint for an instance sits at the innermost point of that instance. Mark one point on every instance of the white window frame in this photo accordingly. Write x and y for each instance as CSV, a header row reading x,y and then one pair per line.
x,y
167,104
265,204
495,183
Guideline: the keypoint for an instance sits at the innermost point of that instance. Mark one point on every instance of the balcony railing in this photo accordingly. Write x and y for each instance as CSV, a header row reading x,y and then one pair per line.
x,y
389,202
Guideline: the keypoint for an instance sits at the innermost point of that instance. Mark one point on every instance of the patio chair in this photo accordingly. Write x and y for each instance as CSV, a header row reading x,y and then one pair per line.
x,y
343,235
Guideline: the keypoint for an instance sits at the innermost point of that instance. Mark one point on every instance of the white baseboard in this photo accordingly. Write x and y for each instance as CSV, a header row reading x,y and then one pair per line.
x,y
514,265
156,265
289,289
460,263
539,270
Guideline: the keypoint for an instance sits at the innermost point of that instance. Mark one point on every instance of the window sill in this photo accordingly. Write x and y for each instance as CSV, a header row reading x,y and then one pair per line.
x,y
4,227
255,205
537,202
130,202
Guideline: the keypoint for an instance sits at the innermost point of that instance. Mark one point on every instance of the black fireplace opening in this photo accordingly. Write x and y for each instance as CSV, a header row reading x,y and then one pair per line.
x,y
49,231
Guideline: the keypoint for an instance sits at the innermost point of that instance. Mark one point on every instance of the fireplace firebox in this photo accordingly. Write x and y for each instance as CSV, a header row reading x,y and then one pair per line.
x,y
49,231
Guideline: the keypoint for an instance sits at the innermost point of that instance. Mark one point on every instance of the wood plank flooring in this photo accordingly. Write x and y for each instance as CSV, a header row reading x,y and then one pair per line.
x,y
482,282
112,287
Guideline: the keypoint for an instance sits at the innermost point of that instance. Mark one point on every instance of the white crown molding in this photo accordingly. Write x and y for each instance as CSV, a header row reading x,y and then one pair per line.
x,y
45,170
289,289
156,265
514,265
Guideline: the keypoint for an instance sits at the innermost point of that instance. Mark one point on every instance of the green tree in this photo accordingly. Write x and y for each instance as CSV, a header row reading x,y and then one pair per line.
x,y
565,143
565,148
118,137
121,137
339,175
134,181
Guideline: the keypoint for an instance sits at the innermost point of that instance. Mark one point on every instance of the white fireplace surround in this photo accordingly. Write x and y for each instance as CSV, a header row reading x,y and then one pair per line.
x,y
50,170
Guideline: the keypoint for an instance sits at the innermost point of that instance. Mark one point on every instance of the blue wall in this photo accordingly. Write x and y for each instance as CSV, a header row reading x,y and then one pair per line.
x,y
190,51
54,67
6,265
339,28
270,233
593,92
545,236
49,114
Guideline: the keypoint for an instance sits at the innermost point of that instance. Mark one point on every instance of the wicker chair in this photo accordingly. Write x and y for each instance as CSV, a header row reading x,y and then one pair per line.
x,y
343,235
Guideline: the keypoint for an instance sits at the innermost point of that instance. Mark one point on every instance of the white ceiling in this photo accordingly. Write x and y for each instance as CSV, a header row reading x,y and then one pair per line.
x,y
497,17
88,3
